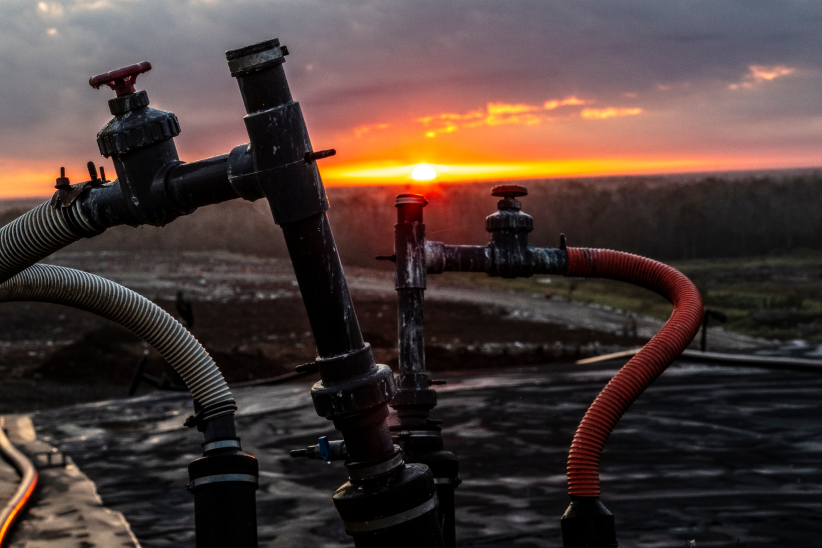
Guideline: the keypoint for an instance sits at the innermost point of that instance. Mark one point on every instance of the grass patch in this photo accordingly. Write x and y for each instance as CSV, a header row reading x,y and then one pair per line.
x,y
772,297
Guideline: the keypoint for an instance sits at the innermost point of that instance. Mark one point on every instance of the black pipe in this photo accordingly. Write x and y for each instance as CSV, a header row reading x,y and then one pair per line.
x,y
385,502
441,258
201,183
154,187
323,287
224,483
419,436
411,318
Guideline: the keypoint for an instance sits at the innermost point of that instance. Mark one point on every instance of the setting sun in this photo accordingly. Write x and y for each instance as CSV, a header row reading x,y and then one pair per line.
x,y
424,172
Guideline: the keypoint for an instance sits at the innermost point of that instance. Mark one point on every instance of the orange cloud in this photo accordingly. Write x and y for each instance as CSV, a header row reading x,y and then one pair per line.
x,y
568,101
762,73
496,114
359,131
758,74
610,112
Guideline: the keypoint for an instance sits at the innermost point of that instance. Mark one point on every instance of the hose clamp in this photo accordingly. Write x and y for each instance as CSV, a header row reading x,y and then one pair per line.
x,y
419,434
222,444
211,411
358,473
389,521
221,478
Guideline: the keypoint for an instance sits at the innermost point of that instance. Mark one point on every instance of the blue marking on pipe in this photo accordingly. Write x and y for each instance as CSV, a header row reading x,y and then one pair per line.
x,y
325,448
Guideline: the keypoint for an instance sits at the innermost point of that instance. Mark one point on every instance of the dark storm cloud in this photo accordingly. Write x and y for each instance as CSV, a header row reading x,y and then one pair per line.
x,y
353,59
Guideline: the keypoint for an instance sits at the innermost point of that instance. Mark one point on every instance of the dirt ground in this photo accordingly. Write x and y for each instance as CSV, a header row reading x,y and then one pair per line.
x,y
55,356
248,314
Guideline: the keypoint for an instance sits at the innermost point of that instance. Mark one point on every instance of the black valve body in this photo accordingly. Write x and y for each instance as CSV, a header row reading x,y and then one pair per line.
x,y
140,141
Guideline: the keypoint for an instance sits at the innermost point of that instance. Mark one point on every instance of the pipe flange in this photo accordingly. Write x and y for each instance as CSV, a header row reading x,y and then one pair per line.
x,y
366,508
367,391
358,471
255,57
126,134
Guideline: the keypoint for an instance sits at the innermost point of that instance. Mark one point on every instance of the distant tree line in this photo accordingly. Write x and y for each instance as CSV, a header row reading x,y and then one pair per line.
x,y
661,217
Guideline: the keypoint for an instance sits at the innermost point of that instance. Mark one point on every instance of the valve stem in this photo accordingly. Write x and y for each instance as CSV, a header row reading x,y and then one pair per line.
x,y
92,171
324,450
62,181
311,157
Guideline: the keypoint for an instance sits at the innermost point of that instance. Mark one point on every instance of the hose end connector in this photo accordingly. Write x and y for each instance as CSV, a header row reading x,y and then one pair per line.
x,y
588,524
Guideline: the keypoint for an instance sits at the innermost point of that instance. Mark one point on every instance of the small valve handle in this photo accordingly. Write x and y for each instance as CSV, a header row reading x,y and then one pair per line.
x,y
509,191
121,80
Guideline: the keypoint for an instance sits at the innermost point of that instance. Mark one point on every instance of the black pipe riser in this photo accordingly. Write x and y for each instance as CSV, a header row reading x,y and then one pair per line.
x,y
409,249
399,512
225,507
588,524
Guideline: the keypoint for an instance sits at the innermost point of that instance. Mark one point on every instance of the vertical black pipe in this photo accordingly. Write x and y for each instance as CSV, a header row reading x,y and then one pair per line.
x,y
224,484
419,436
322,285
411,334
409,248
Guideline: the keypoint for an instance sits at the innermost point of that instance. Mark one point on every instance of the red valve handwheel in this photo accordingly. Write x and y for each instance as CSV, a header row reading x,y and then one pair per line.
x,y
120,80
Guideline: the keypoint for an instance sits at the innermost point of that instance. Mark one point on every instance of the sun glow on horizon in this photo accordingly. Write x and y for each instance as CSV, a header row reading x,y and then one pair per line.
x,y
424,172
388,173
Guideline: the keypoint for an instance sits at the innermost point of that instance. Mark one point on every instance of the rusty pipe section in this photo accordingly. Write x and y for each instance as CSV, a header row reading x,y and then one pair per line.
x,y
509,255
525,260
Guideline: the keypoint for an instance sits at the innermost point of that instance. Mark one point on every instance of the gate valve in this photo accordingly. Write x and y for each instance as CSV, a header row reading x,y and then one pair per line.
x,y
121,80
324,450
140,142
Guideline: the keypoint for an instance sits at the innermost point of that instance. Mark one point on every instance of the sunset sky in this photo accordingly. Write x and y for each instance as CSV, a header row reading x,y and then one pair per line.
x,y
472,89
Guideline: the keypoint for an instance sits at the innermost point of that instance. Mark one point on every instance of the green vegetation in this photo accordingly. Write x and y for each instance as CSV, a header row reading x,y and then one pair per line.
x,y
704,225
771,297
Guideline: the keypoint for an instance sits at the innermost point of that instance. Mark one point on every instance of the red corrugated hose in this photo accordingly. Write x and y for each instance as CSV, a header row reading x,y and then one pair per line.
x,y
642,369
